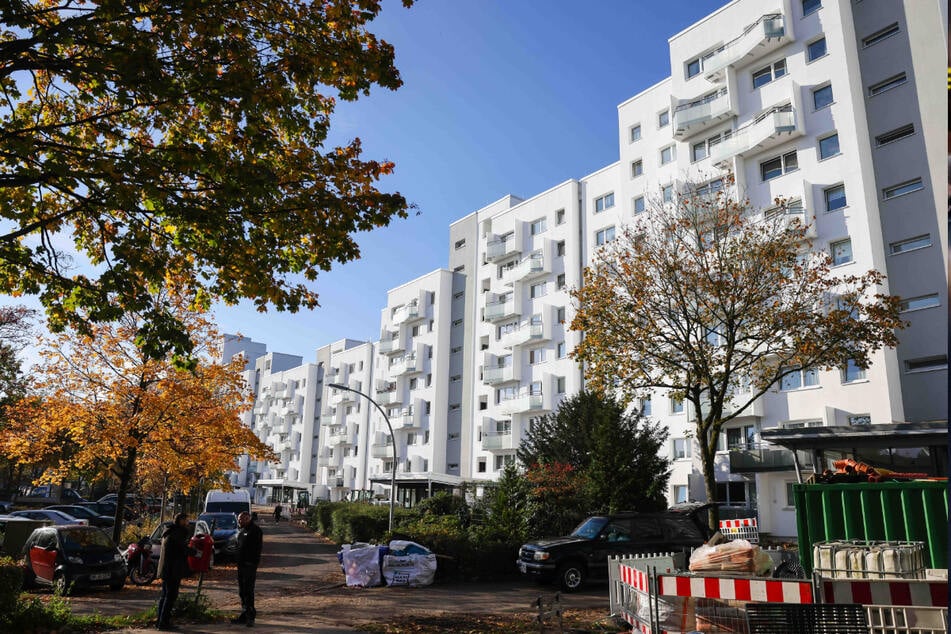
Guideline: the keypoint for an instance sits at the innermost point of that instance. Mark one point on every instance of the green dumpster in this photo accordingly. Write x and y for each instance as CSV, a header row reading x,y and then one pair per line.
x,y
905,511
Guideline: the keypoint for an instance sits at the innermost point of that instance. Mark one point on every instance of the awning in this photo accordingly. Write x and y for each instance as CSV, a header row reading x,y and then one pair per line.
x,y
403,479
884,436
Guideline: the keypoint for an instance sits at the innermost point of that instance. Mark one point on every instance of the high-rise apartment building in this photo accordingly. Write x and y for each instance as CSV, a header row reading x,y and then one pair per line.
x,y
833,105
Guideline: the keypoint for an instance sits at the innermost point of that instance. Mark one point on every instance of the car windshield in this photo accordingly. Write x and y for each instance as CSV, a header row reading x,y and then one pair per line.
x,y
590,528
77,511
77,539
223,521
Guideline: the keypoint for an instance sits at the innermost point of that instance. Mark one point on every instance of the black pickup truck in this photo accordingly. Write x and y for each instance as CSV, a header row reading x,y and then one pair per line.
x,y
570,561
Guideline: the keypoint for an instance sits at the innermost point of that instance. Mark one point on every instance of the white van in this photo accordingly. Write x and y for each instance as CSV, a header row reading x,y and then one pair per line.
x,y
237,501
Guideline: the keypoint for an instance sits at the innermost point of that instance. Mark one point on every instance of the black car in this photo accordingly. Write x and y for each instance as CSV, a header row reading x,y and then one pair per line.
x,y
72,555
108,509
84,513
224,530
570,561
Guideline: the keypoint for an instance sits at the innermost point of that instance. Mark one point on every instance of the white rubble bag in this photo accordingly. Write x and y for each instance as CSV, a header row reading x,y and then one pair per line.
x,y
409,564
361,565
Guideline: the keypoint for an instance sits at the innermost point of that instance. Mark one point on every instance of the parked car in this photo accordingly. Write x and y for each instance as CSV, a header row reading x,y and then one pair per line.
x,y
194,526
58,518
68,556
108,509
84,513
224,530
6,506
572,560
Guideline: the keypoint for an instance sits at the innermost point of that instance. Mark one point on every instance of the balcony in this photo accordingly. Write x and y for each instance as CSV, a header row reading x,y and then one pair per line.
x,y
522,403
698,115
390,397
498,249
769,129
730,406
498,441
381,450
525,333
497,310
498,374
761,38
794,211
328,418
409,312
531,267
391,345
404,365
408,418
343,436
762,458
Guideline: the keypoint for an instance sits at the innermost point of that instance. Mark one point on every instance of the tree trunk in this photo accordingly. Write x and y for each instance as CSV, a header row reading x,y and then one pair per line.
x,y
707,458
125,477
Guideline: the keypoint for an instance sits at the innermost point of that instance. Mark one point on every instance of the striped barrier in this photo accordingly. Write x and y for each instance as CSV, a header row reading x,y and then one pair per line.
x,y
637,579
735,588
914,592
743,528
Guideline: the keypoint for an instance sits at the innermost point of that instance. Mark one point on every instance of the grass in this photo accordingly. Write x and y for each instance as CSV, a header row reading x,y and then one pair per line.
x,y
573,621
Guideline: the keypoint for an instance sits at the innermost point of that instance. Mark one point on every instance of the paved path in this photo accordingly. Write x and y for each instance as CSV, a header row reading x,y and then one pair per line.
x,y
300,588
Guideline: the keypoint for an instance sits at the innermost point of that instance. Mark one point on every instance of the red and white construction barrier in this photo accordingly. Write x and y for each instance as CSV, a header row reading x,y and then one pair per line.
x,y
743,528
886,592
736,588
637,579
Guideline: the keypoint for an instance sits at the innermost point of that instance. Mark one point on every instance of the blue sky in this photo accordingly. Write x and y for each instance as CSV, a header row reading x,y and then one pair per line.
x,y
499,97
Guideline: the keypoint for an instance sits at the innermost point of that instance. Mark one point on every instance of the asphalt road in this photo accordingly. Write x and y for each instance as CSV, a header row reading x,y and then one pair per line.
x,y
300,588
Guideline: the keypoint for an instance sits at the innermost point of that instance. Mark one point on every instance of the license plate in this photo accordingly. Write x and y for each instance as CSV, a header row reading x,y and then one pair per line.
x,y
99,576
522,567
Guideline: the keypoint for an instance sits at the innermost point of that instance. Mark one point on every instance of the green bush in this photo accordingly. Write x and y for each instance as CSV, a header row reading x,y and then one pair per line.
x,y
322,517
356,522
11,583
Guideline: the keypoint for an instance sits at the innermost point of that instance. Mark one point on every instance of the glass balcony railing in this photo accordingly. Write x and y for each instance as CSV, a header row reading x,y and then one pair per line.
x,y
695,116
384,450
529,268
497,249
403,365
406,313
493,441
389,346
522,403
769,129
761,457
499,310
491,375
757,40
523,334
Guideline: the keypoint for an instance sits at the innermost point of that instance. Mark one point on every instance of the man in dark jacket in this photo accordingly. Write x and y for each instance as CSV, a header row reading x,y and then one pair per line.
x,y
250,540
173,565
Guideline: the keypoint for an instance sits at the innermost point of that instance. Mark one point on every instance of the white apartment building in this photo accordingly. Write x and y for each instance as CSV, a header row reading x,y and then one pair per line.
x,y
834,105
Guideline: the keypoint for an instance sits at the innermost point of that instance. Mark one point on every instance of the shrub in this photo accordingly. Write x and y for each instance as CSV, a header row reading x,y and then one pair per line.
x,y
444,503
357,522
323,517
11,582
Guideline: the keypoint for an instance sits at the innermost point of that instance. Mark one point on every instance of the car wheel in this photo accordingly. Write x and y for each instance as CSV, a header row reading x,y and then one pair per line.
x,y
61,585
571,576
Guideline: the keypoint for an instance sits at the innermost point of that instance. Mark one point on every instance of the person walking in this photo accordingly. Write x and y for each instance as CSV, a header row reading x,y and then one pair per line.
x,y
173,565
277,513
250,541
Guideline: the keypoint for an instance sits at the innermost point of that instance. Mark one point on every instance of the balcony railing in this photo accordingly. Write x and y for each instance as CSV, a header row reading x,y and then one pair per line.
x,y
698,115
390,397
522,403
342,437
494,441
499,310
390,346
758,39
498,249
794,211
498,374
758,458
525,333
406,313
381,450
406,419
771,128
403,365
529,268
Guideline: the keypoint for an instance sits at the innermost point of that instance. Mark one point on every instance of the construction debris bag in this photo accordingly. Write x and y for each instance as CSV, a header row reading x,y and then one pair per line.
x,y
409,564
361,565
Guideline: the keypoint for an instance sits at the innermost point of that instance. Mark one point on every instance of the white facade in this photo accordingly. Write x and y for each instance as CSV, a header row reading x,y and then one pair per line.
x,y
831,104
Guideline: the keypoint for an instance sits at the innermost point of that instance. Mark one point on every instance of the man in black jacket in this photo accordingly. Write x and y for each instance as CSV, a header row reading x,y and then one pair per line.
x,y
173,565
250,540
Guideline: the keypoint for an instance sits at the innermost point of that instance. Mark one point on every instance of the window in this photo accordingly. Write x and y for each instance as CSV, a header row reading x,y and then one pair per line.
x,y
740,437
895,135
538,227
681,448
769,73
799,378
810,6
560,217
560,281
701,150
888,84
816,49
902,188
667,155
460,243
694,67
709,188
536,356
637,168
919,303
413,382
667,193
834,197
828,146
860,419
851,372
927,364
676,406
822,97
604,202
481,465
604,236
560,248
778,166
878,36
560,385
562,350
456,322
502,460
841,251
663,119
680,493
639,205
910,244
537,290
635,132
560,315
790,495
646,406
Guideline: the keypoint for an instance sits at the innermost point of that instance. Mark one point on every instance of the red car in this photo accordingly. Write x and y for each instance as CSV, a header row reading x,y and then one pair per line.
x,y
71,556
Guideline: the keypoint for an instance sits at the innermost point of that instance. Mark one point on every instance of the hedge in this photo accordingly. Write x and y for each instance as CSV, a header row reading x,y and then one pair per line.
x,y
11,583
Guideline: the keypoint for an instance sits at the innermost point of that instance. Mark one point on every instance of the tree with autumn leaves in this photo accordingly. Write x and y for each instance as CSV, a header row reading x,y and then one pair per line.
x,y
105,407
715,302
140,139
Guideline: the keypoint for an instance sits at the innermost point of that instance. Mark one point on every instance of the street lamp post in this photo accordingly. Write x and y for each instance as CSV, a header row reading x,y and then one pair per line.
x,y
386,418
